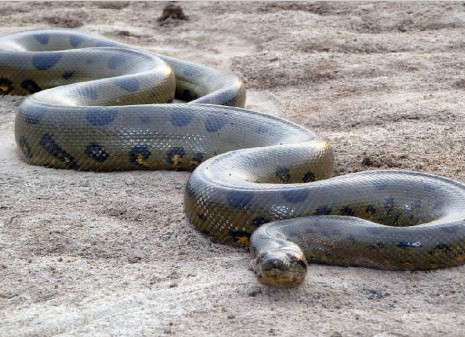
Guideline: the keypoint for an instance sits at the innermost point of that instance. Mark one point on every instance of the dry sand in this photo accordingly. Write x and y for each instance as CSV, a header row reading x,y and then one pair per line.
x,y
111,254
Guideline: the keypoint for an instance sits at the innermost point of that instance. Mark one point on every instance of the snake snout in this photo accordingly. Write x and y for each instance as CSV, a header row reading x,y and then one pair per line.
x,y
281,268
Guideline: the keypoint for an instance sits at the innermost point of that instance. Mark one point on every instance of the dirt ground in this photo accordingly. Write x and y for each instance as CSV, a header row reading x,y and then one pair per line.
x,y
111,254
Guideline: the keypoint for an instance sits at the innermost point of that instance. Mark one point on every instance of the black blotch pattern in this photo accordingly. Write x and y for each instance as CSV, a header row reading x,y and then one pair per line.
x,y
175,151
30,86
259,220
49,143
228,98
323,210
197,158
45,61
295,196
215,123
346,210
42,38
190,71
128,84
101,116
88,92
180,117
283,174
239,199
68,74
449,229
139,152
117,61
409,244
25,147
370,209
6,86
75,40
443,247
308,177
96,152
34,116
380,185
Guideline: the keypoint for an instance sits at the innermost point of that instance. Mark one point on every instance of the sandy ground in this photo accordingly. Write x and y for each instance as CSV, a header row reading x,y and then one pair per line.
x,y
111,254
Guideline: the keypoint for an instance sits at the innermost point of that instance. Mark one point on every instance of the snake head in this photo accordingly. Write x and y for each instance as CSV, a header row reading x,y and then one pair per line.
x,y
281,267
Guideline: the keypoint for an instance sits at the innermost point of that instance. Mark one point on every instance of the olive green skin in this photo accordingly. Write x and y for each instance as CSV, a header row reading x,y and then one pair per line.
x,y
93,108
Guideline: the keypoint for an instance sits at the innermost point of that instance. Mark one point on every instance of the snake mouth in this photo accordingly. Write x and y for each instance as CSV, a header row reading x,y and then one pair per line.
x,y
280,269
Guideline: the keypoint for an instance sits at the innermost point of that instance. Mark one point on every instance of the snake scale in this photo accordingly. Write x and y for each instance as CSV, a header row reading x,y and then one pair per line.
x,y
92,108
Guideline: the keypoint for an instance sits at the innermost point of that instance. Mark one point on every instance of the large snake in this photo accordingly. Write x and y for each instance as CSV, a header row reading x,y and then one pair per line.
x,y
98,113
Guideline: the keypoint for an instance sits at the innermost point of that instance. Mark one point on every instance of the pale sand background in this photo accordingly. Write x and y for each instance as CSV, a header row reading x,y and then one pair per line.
x,y
112,254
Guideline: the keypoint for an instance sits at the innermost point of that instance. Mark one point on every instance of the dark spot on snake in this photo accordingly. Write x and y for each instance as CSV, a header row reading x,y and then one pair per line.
x,y
129,84
75,40
238,198
295,196
370,209
450,229
25,147
46,61
101,116
198,157
323,210
42,38
227,98
443,247
139,154
6,86
180,117
174,154
170,99
262,130
96,152
430,188
145,119
34,116
49,143
308,177
30,86
105,44
380,185
68,74
88,92
347,211
409,244
215,123
283,174
191,71
259,220
117,61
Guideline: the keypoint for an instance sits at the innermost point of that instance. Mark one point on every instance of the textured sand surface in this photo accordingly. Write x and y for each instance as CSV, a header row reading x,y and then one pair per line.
x,y
111,254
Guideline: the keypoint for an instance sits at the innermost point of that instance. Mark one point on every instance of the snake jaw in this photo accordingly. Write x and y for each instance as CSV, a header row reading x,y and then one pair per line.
x,y
281,268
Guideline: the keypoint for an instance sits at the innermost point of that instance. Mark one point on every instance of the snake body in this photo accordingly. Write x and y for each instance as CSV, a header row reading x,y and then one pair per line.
x,y
92,108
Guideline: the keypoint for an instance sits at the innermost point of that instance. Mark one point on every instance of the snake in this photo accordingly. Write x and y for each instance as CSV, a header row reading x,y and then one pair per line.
x,y
97,104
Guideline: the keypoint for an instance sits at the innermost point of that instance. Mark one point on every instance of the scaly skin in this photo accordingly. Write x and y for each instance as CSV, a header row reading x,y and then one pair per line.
x,y
101,105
